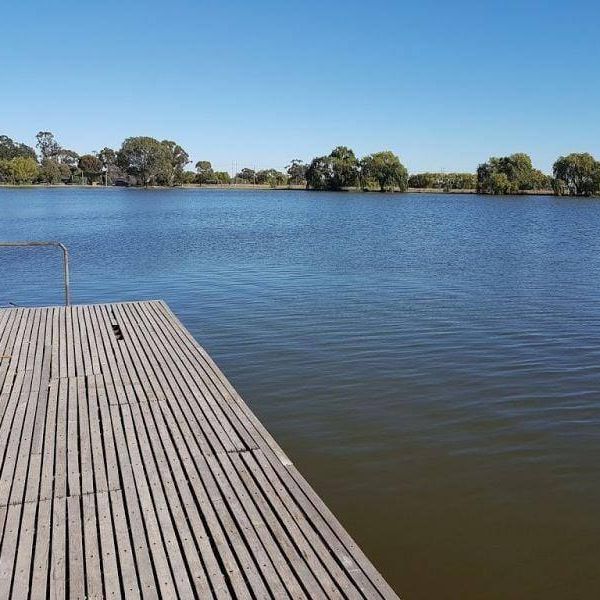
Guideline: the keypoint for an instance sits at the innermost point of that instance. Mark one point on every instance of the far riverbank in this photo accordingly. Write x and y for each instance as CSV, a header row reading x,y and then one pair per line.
x,y
264,187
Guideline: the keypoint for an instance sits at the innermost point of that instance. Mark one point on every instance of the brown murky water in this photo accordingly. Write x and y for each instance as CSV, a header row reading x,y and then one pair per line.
x,y
431,363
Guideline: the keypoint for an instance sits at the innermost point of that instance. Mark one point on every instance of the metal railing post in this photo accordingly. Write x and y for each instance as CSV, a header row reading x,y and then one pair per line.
x,y
67,284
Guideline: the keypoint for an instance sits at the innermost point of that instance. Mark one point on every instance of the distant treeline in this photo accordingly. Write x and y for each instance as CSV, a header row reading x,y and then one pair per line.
x,y
145,161
443,181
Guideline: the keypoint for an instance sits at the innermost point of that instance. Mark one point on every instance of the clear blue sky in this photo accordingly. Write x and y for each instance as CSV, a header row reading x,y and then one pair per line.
x,y
443,84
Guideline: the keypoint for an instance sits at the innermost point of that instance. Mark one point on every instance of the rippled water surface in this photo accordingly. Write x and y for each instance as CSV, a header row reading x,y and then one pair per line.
x,y
431,363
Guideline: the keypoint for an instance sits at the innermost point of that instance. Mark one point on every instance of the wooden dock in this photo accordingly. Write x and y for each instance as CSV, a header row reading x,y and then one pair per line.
x,y
131,468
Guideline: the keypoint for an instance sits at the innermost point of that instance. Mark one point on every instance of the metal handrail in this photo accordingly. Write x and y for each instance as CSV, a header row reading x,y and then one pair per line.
x,y
65,261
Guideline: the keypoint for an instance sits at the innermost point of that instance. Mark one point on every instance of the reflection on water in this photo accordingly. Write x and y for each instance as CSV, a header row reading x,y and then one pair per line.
x,y
430,363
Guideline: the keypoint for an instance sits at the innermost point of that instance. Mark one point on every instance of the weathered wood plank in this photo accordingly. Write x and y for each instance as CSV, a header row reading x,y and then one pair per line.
x,y
6,317
9,546
233,553
199,393
146,474
59,551
60,455
187,392
14,434
200,534
62,344
128,575
153,574
92,549
9,365
70,343
281,536
73,470
108,553
319,564
189,357
40,419
9,336
41,559
24,551
142,418
49,443
85,440
75,550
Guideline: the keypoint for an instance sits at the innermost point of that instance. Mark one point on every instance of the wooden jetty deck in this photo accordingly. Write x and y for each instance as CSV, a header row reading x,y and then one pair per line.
x,y
130,468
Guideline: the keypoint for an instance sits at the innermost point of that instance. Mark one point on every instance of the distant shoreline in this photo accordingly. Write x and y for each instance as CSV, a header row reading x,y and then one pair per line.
x,y
264,187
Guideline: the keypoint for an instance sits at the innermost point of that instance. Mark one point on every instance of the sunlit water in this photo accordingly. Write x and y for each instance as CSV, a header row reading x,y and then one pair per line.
x,y
430,363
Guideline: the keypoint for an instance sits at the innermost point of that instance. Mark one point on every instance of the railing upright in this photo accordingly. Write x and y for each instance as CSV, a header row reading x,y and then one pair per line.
x,y
67,284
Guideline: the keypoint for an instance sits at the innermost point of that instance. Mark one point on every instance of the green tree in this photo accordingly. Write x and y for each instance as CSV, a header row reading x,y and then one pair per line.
x,y
19,170
204,172
422,180
5,171
51,151
51,171
175,161
577,175
509,175
443,181
296,171
108,158
319,174
24,169
485,173
143,158
247,175
10,149
460,181
271,177
333,172
222,177
386,170
49,148
344,167
501,184
68,161
188,177
67,157
541,181
91,167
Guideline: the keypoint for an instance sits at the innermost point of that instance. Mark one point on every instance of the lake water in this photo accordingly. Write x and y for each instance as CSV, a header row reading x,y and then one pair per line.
x,y
431,363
